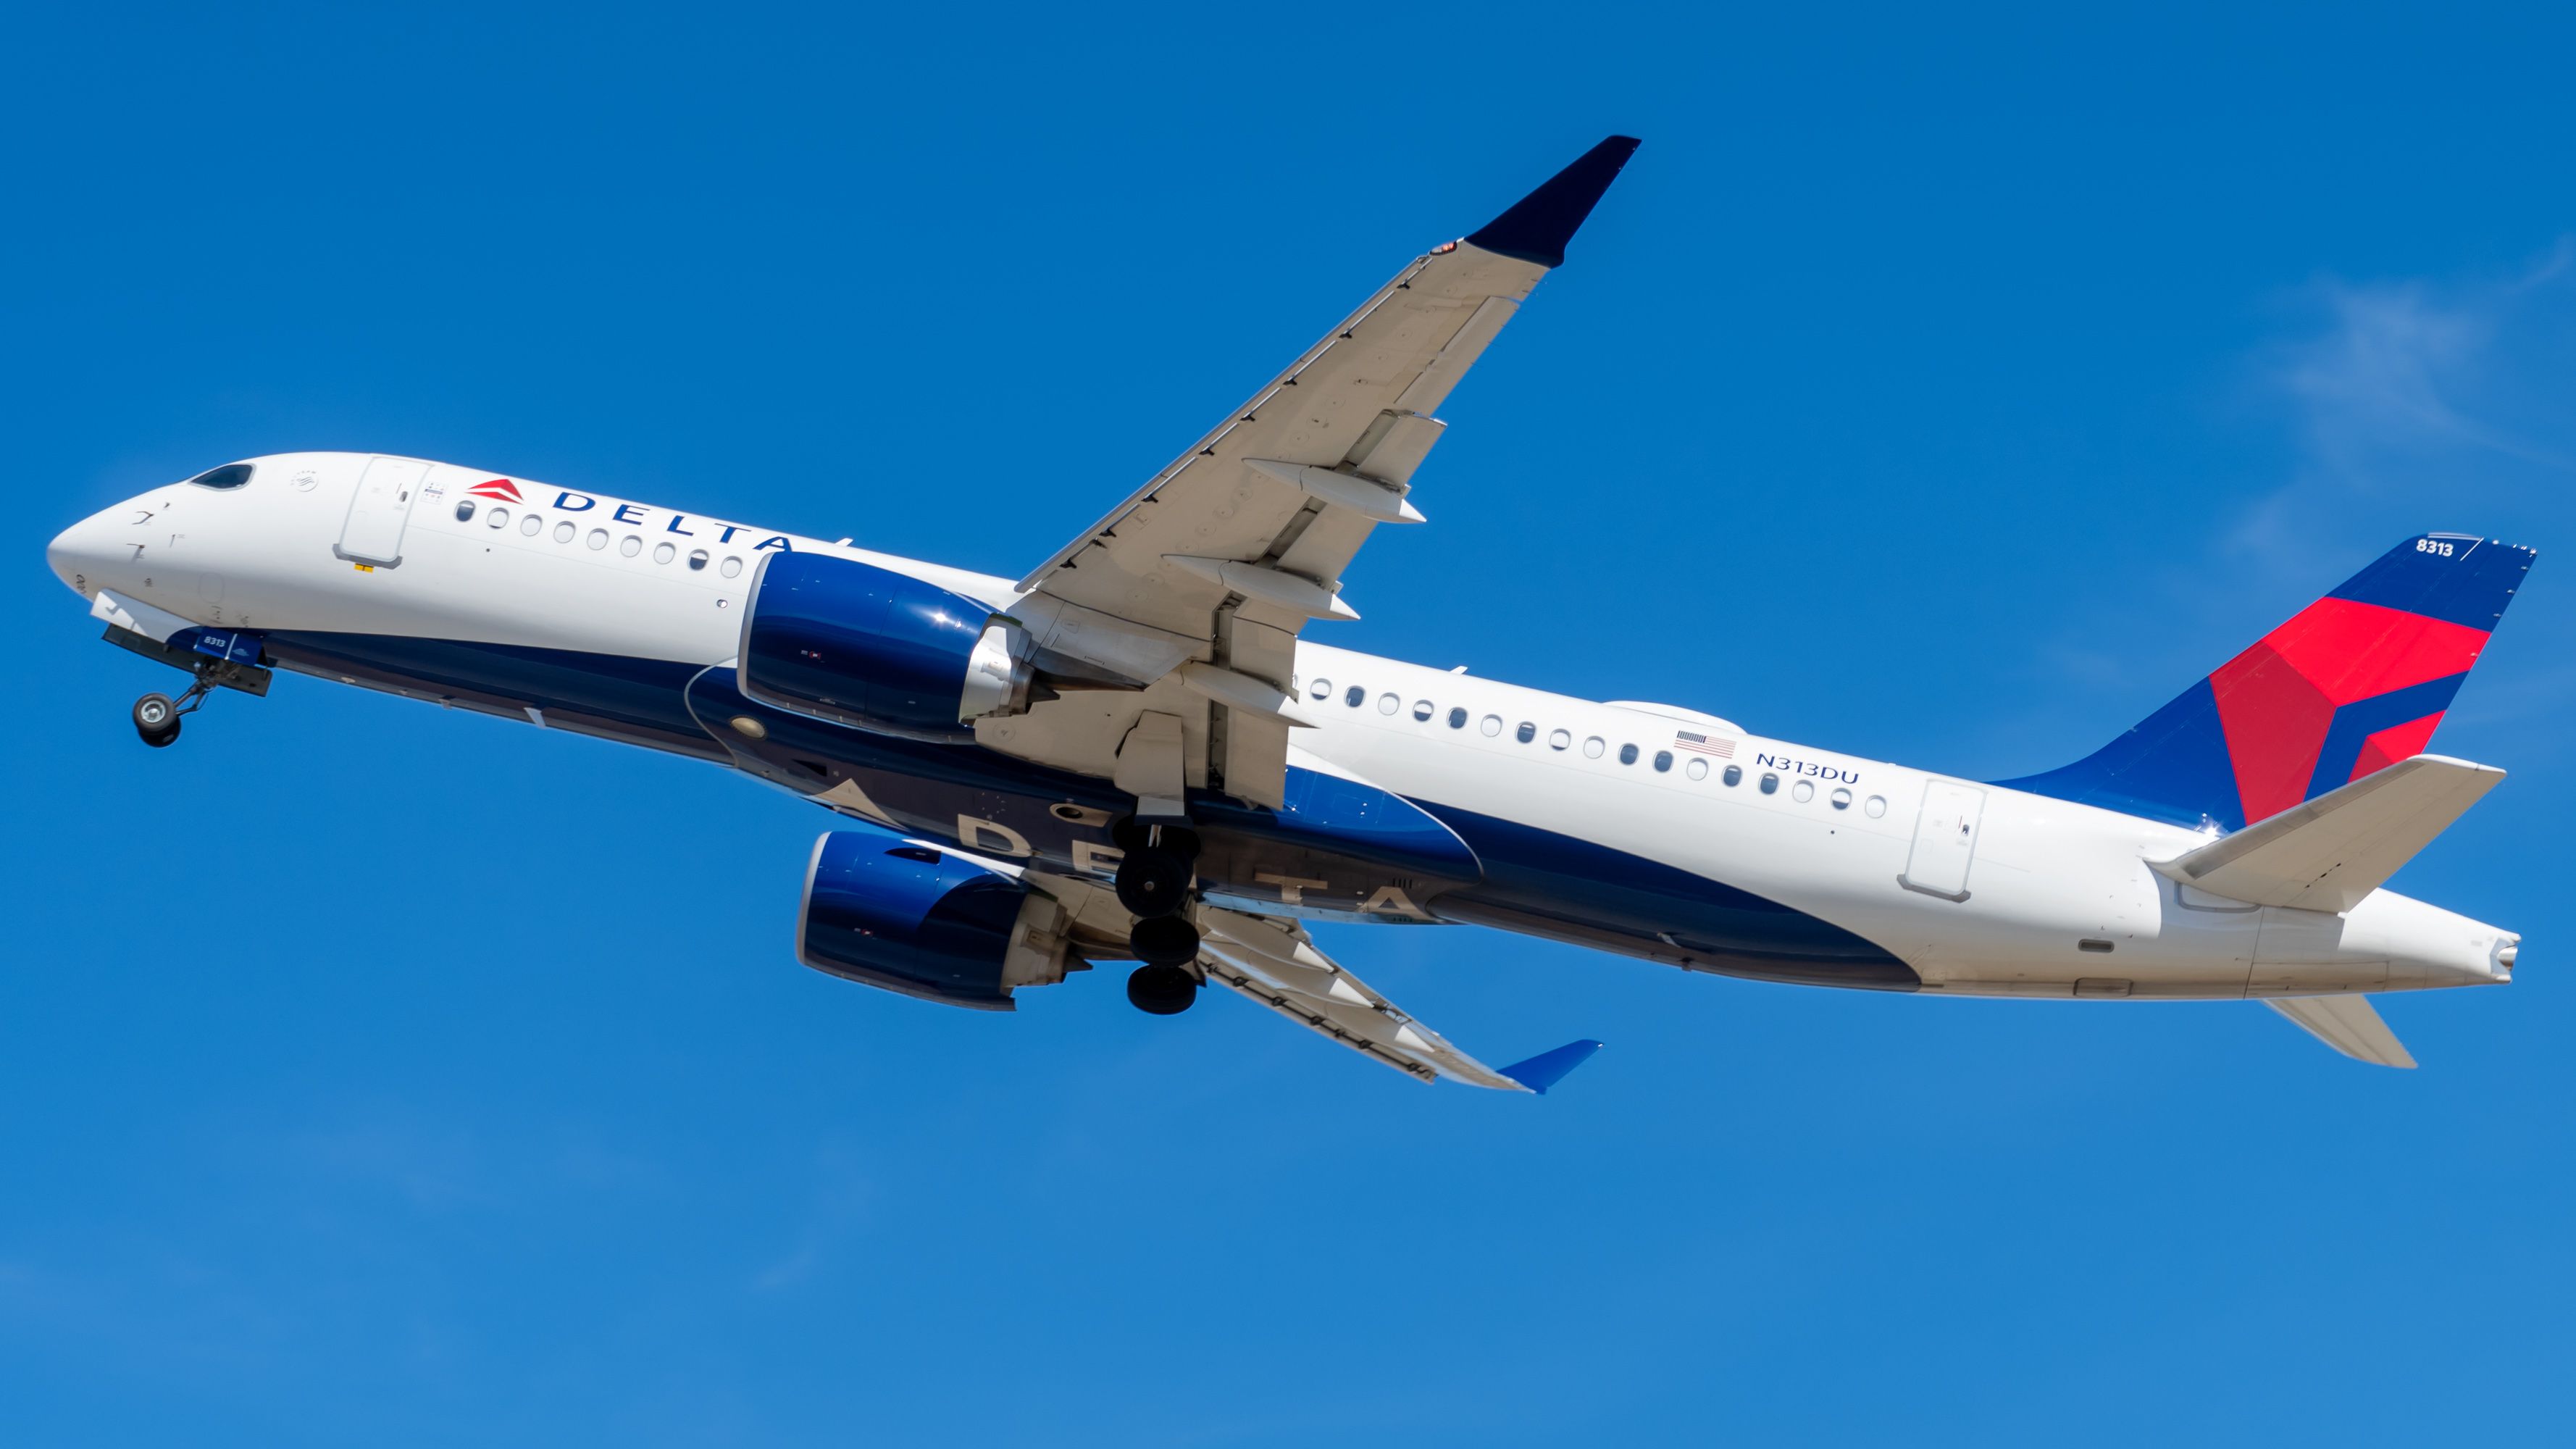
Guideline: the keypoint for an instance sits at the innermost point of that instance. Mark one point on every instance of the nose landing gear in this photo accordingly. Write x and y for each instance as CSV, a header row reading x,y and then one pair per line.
x,y
220,661
156,715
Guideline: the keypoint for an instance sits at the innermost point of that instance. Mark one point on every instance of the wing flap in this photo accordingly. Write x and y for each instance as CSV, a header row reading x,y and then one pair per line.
x,y
2349,1024
1275,963
2327,854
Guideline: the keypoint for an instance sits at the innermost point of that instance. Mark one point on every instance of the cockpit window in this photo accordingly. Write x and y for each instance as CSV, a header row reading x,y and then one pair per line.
x,y
231,475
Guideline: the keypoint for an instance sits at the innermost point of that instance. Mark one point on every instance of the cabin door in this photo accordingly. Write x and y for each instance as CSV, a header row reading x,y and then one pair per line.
x,y
1945,840
386,492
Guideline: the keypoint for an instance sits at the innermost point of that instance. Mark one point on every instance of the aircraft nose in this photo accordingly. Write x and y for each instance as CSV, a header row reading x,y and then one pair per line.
x,y
77,554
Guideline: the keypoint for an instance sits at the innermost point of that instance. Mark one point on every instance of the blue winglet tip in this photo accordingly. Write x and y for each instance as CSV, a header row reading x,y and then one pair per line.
x,y
1539,225
1549,1068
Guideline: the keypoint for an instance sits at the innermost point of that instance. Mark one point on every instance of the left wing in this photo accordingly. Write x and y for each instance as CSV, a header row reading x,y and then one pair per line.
x,y
1274,962
1196,586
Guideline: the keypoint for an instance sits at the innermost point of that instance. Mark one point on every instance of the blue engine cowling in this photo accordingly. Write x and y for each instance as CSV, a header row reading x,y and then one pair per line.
x,y
925,923
877,650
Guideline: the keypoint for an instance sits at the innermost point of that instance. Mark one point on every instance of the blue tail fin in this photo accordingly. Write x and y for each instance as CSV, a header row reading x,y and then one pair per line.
x,y
2354,683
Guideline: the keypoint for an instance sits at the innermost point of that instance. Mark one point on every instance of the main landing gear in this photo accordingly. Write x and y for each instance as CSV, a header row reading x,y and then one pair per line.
x,y
1154,886
156,715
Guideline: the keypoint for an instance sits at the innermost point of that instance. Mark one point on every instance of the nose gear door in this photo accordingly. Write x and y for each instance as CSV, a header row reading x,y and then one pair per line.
x,y
386,492
1945,840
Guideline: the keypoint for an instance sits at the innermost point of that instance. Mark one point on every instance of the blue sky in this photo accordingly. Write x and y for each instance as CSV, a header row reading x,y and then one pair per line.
x,y
1947,387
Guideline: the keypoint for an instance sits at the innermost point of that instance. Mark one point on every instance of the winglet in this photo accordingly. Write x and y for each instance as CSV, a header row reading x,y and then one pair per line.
x,y
1539,225
1549,1068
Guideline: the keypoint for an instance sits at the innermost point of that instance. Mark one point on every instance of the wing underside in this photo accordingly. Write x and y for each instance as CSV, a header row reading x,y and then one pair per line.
x,y
1274,962
1193,590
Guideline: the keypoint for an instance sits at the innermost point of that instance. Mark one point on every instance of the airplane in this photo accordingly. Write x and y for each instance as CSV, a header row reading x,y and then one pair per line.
x,y
1135,754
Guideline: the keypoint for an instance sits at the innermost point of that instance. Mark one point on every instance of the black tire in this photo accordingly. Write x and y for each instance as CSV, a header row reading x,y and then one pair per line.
x,y
154,713
1153,883
1162,990
162,738
1164,941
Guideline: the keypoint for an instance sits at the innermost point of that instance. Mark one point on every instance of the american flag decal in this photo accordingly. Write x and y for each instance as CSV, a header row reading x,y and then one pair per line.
x,y
1702,744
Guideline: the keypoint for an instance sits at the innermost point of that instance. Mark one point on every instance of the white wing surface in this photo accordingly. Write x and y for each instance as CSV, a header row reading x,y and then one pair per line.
x,y
1197,585
1274,962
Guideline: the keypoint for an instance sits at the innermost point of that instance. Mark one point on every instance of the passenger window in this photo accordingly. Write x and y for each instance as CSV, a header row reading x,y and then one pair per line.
x,y
464,510
1841,799
1457,719
1874,806
1526,733
532,525
563,532
1734,775
1593,747
697,559
1627,754
664,553
1558,739
598,538
497,517
1323,689
730,567
1697,769
1491,724
1803,791
1388,704
1422,709
231,475
1353,696
1770,783
630,545
1663,761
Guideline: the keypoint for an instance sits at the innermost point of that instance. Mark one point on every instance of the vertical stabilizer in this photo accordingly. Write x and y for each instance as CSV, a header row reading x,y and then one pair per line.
x,y
2356,682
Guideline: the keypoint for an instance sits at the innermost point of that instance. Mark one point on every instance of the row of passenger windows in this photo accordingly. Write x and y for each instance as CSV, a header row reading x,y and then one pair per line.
x,y
1594,747
533,524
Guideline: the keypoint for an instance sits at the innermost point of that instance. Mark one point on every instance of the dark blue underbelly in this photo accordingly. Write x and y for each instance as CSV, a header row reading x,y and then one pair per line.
x,y
1336,843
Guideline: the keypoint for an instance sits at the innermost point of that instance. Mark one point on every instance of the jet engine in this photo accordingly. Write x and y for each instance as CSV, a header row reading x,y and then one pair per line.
x,y
878,650
883,912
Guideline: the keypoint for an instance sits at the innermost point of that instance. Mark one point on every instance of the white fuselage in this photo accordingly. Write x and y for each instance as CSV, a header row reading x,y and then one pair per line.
x,y
1979,890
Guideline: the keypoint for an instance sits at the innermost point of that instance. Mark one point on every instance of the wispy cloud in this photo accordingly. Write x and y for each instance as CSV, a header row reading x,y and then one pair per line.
x,y
2411,389
2419,402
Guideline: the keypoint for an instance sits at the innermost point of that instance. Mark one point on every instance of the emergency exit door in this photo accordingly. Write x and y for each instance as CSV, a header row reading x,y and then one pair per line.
x,y
1945,840
386,491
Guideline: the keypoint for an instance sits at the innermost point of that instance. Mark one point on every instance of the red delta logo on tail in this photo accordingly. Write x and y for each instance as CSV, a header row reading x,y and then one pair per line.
x,y
2356,682
498,489
2342,690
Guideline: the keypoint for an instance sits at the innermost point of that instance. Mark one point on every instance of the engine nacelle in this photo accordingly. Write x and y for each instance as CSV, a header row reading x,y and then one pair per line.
x,y
877,650
925,923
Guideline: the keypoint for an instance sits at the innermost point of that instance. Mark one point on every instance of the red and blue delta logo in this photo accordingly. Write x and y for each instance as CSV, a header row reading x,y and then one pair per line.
x,y
500,490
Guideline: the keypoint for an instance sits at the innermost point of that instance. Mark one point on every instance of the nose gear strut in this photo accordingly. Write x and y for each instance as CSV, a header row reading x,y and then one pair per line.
x,y
156,715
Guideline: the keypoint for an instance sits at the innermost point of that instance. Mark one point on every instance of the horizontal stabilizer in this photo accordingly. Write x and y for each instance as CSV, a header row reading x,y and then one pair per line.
x,y
2327,854
2349,1024
1549,1068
